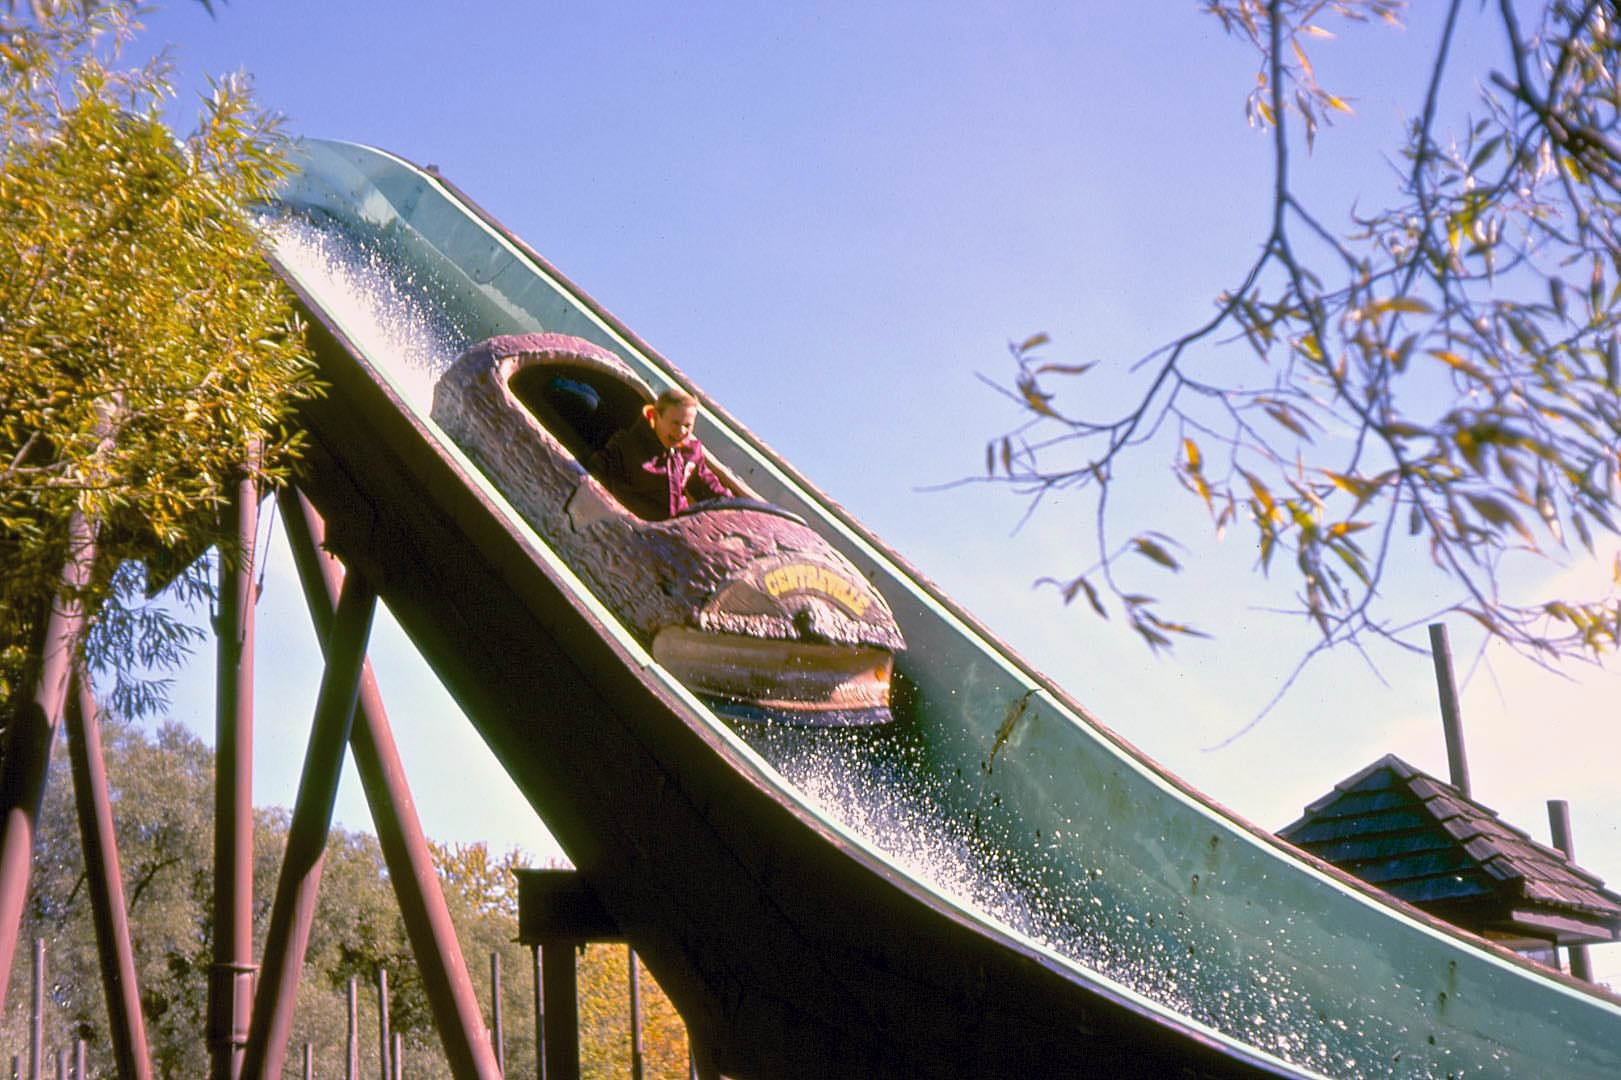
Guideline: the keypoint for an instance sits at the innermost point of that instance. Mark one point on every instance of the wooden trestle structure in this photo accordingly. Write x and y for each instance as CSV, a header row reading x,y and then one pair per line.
x,y
250,1005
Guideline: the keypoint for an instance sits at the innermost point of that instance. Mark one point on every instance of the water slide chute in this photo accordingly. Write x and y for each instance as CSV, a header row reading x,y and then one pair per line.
x,y
993,885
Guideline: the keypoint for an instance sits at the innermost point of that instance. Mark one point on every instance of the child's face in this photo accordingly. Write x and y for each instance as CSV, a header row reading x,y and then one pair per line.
x,y
673,424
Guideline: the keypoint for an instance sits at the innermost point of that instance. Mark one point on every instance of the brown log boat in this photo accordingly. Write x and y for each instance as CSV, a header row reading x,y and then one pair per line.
x,y
739,599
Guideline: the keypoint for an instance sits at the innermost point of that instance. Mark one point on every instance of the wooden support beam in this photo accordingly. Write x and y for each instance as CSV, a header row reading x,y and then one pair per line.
x,y
1581,965
559,905
293,912
26,757
106,884
558,911
399,831
230,976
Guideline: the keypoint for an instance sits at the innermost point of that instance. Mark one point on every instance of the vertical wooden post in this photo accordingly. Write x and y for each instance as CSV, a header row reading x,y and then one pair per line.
x,y
351,1067
1581,965
1451,718
540,1014
399,832
383,1042
497,1028
127,1028
635,1016
293,911
230,976
36,1014
560,988
30,732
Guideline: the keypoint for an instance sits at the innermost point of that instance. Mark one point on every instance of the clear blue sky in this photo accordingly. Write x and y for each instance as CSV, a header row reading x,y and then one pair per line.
x,y
832,216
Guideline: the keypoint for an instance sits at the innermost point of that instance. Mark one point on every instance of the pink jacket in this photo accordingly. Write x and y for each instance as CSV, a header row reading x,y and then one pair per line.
x,y
654,483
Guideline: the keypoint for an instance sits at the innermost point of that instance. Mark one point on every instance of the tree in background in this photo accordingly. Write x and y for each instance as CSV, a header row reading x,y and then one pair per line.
x,y
482,893
162,790
1440,375
149,354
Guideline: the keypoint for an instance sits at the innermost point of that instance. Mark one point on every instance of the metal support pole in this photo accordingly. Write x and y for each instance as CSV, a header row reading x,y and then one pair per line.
x,y
294,909
383,1043
497,1028
126,1026
540,1015
560,990
635,1016
79,1062
1451,718
309,1061
399,1056
26,757
1581,965
438,954
230,976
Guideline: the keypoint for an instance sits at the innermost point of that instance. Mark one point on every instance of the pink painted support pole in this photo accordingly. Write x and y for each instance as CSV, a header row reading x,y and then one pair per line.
x,y
399,832
106,885
293,913
230,977
29,735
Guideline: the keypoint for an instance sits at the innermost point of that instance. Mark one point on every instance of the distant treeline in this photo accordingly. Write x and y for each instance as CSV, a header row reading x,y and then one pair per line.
x,y
162,791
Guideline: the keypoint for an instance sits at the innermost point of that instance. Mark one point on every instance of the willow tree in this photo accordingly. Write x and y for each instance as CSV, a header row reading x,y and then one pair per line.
x,y
146,352
1436,374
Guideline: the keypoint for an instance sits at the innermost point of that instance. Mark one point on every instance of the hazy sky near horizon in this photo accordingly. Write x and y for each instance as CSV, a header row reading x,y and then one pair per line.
x,y
834,217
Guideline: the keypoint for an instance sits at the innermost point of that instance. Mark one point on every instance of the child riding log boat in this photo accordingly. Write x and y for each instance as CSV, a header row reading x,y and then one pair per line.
x,y
740,600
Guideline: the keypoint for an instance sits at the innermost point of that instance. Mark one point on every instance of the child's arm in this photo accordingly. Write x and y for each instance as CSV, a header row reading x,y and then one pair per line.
x,y
703,483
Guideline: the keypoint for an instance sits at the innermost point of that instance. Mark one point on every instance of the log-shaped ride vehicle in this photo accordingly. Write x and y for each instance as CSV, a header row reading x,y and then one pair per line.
x,y
739,599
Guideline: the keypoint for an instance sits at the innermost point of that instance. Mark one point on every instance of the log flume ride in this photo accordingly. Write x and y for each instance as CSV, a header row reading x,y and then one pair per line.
x,y
991,885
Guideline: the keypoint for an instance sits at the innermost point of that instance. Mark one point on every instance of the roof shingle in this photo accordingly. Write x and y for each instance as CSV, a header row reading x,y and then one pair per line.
x,y
1423,840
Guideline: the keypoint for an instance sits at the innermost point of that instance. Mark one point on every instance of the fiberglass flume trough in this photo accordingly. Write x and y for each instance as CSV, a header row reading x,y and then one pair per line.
x,y
1111,921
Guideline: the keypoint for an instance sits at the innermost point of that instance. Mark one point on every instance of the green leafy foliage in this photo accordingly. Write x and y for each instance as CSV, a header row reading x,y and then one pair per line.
x,y
1440,378
149,353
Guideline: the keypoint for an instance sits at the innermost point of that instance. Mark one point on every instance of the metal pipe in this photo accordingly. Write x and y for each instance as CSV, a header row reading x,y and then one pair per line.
x,y
79,1062
293,911
230,976
25,758
399,1056
428,925
1451,718
119,982
635,1016
1581,964
309,1061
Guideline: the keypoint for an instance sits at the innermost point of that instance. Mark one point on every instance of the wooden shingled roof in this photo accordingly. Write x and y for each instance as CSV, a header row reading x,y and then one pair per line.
x,y
1421,840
